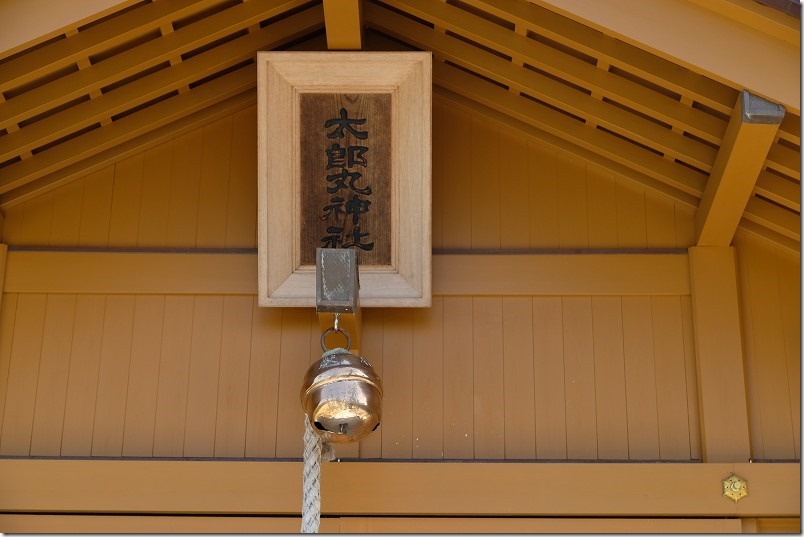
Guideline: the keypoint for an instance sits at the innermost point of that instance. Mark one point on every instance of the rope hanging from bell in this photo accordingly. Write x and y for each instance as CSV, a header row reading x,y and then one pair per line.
x,y
341,394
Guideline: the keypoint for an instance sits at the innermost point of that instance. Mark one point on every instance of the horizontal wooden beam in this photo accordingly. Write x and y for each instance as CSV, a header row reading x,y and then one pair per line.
x,y
643,64
716,46
397,488
236,273
75,523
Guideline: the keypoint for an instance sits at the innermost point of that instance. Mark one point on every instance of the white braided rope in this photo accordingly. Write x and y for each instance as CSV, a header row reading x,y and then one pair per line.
x,y
316,450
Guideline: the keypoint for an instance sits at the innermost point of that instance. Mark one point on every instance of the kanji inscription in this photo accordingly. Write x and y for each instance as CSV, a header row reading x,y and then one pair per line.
x,y
345,168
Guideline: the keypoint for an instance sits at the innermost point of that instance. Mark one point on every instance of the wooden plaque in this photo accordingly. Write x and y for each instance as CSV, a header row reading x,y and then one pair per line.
x,y
345,162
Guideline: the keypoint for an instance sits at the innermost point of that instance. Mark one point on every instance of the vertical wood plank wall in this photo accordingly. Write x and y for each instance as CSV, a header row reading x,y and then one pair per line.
x,y
492,189
212,376
505,377
770,294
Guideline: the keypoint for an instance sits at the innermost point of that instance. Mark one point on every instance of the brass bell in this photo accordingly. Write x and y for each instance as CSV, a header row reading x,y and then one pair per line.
x,y
342,396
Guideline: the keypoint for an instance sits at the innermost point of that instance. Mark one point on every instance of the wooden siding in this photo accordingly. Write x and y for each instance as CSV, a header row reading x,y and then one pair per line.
x,y
492,189
589,378
770,293
569,374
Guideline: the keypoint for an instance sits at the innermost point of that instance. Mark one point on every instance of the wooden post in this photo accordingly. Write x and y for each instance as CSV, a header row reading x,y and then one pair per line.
x,y
719,354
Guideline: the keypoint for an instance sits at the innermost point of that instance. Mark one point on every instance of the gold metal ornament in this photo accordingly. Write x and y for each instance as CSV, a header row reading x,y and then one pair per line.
x,y
735,487
342,396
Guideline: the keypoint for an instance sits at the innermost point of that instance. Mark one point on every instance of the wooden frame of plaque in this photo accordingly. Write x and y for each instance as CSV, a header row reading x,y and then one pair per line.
x,y
344,142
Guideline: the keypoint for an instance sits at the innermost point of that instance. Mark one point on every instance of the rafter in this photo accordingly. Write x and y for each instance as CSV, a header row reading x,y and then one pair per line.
x,y
745,147
344,22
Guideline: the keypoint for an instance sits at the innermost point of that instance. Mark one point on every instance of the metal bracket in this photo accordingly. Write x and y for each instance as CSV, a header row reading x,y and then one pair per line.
x,y
337,286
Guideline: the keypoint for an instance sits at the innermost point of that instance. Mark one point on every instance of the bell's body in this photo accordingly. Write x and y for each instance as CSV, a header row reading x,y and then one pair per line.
x,y
342,396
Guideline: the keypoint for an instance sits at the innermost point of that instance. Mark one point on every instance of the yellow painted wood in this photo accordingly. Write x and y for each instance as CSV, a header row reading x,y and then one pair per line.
x,y
160,524
671,382
23,374
534,525
565,66
459,434
202,389
489,378
535,84
514,190
427,406
400,489
553,141
51,386
569,129
454,274
601,208
572,204
707,51
690,370
457,201
212,202
759,16
769,361
774,218
549,379
79,406
441,165
740,159
344,24
518,375
125,129
185,180
397,419
230,426
96,208
356,525
579,378
143,376
789,271
295,359
660,225
155,197
112,391
12,223
600,274
152,86
174,370
8,314
372,348
790,246
640,379
718,348
124,27
35,227
785,160
685,226
543,196
127,148
65,222
779,190
631,226
609,370
591,42
125,210
266,334
484,155
139,58
241,212
778,525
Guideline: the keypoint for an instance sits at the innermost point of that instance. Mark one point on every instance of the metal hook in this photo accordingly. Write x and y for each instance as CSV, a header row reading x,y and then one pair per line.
x,y
336,328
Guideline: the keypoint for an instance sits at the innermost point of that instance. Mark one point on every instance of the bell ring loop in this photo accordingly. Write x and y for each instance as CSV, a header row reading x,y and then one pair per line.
x,y
334,329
